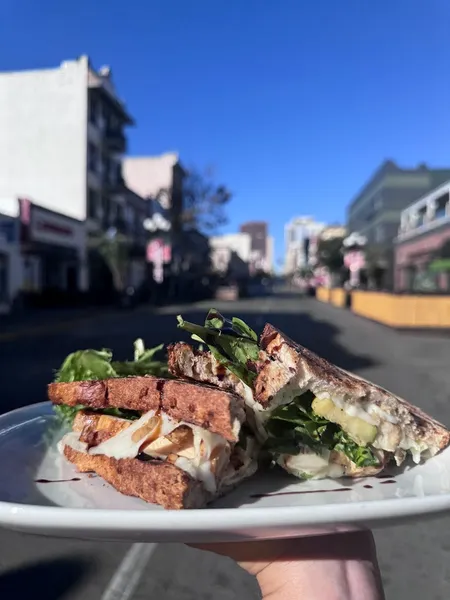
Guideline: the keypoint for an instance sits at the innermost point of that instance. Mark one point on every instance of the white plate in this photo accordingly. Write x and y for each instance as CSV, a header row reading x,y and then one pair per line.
x,y
269,505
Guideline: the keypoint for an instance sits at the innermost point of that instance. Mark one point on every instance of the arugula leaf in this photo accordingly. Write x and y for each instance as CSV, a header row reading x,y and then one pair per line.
x,y
92,365
143,363
295,425
66,414
86,365
95,365
244,329
360,455
233,343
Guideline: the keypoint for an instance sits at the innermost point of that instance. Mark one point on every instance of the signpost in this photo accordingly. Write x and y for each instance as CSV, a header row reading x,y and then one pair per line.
x,y
354,257
159,252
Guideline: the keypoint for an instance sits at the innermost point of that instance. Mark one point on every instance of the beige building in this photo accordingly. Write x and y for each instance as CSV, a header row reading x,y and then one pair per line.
x,y
231,253
159,179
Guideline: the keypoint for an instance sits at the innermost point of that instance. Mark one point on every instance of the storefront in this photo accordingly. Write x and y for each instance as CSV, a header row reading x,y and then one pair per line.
x,y
414,258
10,263
53,250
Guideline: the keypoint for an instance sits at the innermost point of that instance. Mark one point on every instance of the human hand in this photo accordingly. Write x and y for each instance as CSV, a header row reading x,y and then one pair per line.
x,y
336,566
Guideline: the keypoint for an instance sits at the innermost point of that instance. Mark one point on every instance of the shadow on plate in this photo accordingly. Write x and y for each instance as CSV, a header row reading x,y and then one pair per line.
x,y
274,481
53,579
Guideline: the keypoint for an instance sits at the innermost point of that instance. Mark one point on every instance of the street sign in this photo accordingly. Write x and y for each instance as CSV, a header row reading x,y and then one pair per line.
x,y
158,251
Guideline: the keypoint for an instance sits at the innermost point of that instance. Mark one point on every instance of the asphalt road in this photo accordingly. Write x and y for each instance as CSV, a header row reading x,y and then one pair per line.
x,y
415,559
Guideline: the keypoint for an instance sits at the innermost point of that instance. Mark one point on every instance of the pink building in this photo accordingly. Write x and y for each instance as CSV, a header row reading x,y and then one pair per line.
x,y
425,227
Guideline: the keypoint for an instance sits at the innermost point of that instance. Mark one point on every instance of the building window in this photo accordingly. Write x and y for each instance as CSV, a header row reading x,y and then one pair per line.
x,y
106,210
93,204
441,207
379,234
93,157
4,276
421,215
378,201
92,111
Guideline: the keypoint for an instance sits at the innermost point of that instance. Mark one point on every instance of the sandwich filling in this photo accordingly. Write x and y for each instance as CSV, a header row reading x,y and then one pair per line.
x,y
308,431
205,456
153,435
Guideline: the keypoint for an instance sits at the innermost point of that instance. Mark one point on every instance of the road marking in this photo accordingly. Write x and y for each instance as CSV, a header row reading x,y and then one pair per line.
x,y
128,574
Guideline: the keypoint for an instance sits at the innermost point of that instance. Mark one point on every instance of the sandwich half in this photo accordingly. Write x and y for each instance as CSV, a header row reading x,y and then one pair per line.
x,y
169,442
316,419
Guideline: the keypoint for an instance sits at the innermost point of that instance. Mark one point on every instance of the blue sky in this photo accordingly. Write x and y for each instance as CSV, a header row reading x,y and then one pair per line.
x,y
295,103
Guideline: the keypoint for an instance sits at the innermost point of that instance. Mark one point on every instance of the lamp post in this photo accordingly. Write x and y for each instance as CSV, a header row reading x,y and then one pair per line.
x,y
158,253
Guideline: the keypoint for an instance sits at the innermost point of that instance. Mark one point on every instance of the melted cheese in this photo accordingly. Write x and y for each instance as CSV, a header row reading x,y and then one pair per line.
x,y
414,448
147,435
313,465
374,409
256,415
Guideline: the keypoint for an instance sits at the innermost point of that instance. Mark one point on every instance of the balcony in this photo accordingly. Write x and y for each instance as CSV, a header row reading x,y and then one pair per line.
x,y
115,140
114,185
427,213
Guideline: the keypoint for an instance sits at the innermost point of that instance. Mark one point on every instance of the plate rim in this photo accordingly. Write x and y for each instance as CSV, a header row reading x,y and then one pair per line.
x,y
219,519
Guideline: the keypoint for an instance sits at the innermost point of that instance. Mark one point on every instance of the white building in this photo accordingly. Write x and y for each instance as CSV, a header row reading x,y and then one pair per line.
x,y
63,141
231,253
301,237
270,250
10,262
62,138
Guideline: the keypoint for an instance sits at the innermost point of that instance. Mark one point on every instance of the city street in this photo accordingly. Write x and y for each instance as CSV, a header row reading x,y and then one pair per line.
x,y
415,559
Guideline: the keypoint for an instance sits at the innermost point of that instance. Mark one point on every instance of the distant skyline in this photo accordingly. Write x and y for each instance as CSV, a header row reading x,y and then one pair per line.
x,y
294,104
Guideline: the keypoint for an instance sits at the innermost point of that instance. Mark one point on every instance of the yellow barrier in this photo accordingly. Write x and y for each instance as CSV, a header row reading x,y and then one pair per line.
x,y
338,297
403,311
323,294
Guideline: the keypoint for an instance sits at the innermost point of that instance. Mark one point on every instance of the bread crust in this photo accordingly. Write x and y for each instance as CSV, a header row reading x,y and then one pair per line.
x,y
291,362
154,481
217,410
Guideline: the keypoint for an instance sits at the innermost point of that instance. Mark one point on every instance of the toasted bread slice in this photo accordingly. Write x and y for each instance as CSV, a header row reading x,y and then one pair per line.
x,y
154,481
293,369
187,362
219,411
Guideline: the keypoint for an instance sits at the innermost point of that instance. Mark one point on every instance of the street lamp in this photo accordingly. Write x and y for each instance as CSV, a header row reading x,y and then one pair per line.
x,y
157,223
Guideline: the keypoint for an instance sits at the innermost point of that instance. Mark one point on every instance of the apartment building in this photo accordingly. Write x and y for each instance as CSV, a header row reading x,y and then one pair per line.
x,y
231,253
376,210
62,143
261,256
423,233
301,238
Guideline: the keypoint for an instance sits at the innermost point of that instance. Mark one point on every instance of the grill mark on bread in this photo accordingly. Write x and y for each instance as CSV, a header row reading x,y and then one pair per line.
x,y
181,400
289,355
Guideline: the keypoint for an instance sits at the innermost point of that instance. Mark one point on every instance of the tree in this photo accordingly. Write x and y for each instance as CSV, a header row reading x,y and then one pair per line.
x,y
204,202
329,254
114,248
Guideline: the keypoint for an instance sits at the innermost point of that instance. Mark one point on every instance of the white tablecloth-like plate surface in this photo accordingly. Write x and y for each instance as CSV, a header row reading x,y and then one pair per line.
x,y
269,505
